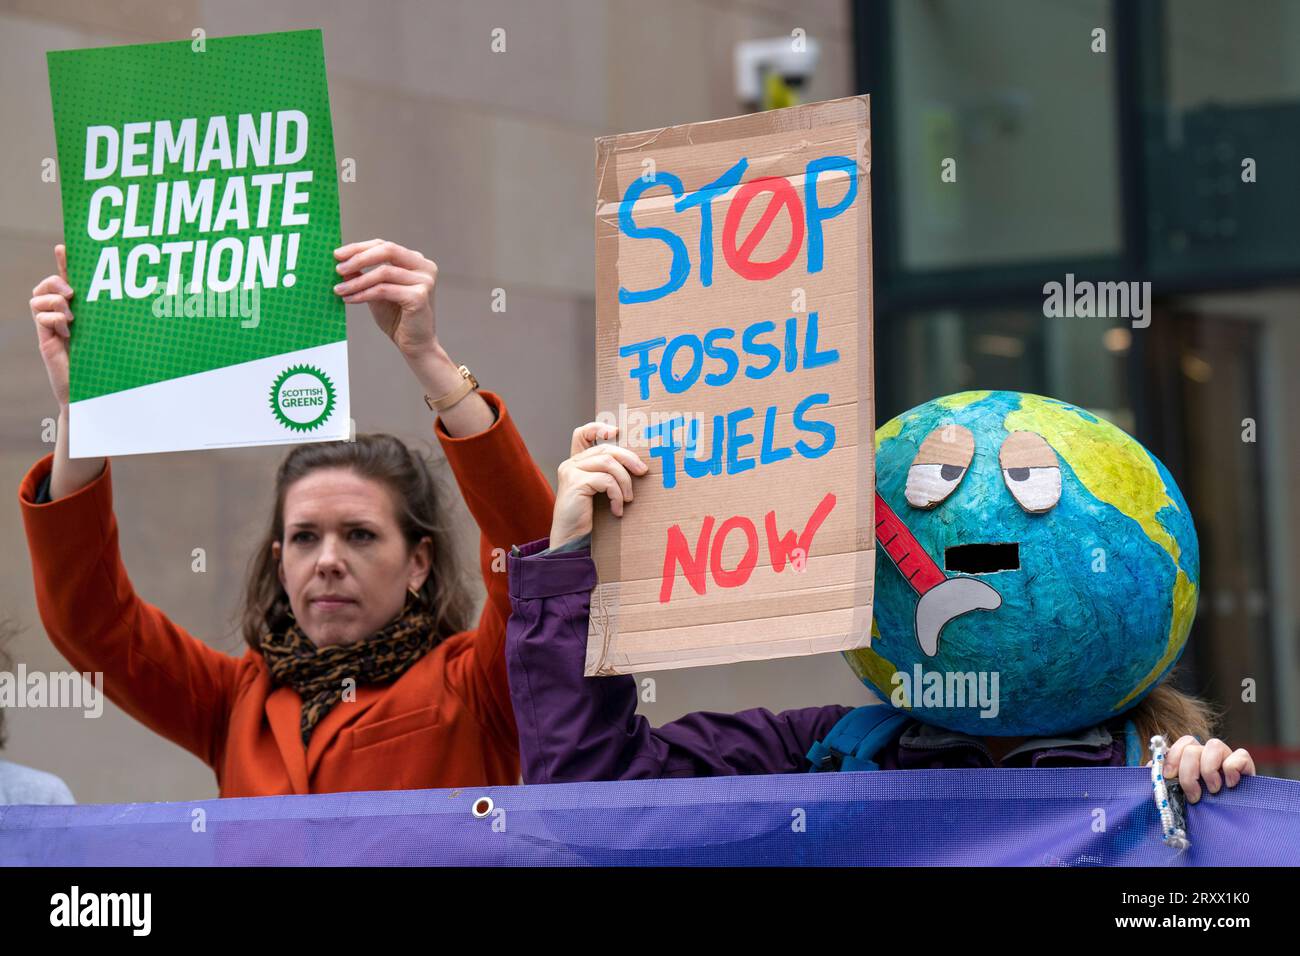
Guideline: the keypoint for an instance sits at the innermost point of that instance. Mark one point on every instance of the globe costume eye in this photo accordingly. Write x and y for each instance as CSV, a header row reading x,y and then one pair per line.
x,y
940,464
1031,471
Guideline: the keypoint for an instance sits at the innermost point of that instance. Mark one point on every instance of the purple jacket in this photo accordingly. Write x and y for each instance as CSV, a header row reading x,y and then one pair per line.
x,y
575,728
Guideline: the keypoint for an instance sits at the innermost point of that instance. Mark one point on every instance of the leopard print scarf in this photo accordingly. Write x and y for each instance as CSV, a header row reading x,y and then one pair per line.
x,y
317,674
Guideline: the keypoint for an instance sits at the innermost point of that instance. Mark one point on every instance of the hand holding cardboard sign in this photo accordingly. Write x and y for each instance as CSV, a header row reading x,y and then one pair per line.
x,y
398,283
590,470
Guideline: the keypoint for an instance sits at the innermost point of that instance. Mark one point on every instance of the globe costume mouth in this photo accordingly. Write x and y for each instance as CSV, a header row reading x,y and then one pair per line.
x,y
982,558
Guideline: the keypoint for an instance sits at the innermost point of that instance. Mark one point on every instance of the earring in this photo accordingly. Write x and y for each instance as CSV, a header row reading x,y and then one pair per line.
x,y
415,595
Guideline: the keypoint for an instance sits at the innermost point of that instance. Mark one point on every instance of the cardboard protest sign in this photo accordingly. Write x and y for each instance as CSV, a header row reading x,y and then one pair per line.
x,y
200,213
733,306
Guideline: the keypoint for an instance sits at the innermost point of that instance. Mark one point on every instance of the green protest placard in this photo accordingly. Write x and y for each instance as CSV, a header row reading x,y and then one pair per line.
x,y
200,209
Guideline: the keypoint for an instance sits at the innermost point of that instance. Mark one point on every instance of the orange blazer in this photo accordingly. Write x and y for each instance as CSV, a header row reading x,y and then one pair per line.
x,y
446,722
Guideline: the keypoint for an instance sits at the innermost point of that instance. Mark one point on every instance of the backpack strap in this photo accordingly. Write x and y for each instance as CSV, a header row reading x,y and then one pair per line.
x,y
1133,748
856,738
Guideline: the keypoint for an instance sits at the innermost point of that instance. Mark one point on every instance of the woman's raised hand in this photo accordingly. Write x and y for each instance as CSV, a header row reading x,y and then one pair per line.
x,y
590,470
52,314
398,284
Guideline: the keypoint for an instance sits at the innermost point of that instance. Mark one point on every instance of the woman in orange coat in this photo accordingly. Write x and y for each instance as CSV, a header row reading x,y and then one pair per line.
x,y
360,672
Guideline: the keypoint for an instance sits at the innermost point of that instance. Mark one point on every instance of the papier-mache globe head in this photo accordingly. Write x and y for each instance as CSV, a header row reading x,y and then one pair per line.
x,y
1075,559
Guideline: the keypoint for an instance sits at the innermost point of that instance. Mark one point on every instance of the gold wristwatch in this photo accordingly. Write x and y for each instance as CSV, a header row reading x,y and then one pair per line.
x,y
468,384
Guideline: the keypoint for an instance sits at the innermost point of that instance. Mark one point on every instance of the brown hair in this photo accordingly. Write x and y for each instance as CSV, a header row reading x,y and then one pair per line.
x,y
1168,711
418,499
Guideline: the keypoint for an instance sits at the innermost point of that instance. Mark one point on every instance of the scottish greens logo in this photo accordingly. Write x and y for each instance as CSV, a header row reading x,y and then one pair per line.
x,y
302,397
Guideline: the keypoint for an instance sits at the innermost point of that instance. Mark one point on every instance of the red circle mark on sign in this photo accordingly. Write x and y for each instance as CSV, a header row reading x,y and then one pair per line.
x,y
783,196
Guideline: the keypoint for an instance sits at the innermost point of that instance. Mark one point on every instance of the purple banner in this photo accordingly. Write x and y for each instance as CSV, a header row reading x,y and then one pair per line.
x,y
1023,817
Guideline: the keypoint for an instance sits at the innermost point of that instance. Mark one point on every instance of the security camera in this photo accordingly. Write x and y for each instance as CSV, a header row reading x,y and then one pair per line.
x,y
792,58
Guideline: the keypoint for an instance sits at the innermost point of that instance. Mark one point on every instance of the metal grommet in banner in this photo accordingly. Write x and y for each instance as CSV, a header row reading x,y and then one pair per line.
x,y
482,807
